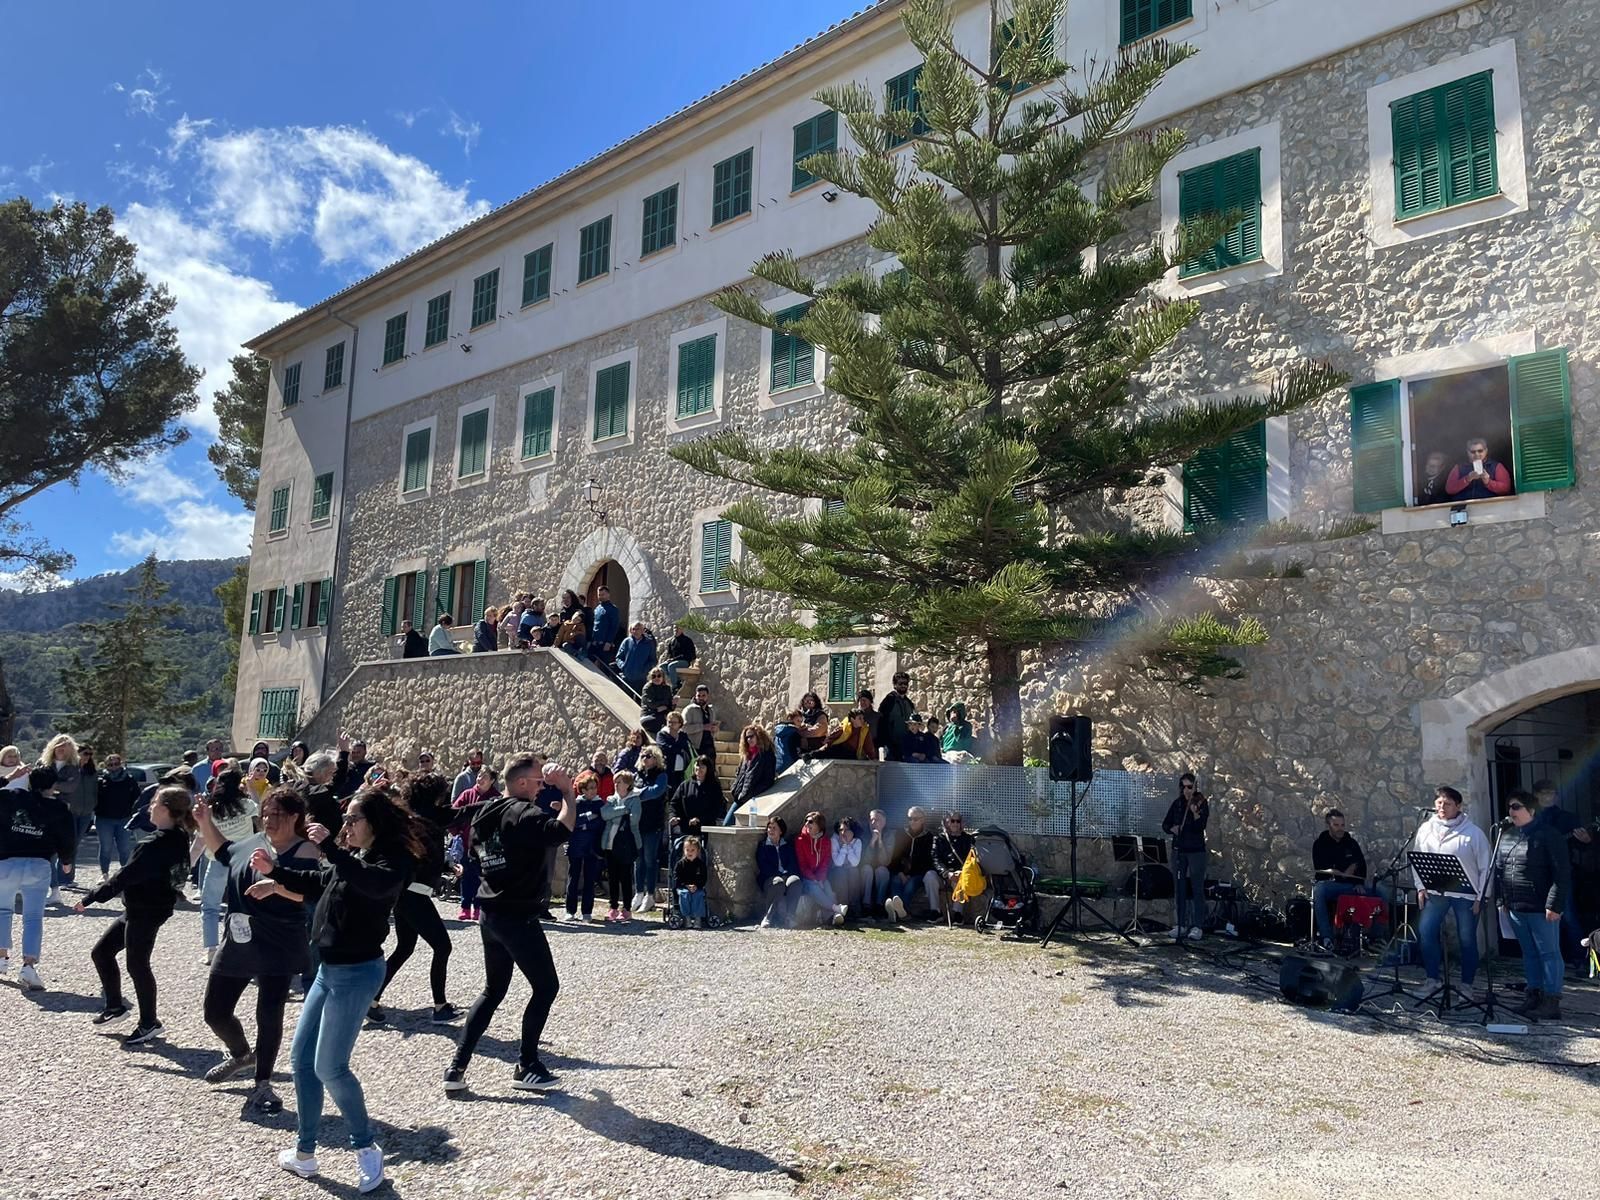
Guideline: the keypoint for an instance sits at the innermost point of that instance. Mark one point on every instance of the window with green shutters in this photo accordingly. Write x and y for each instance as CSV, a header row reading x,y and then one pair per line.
x,y
697,376
841,678
731,181
1227,484
322,497
536,275
1444,146
538,422
279,513
297,607
793,358
611,401
1141,18
333,367
437,328
1230,184
660,221
255,613
485,297
291,385
716,551
394,339
1541,421
280,609
1376,446
419,445
594,250
1003,36
901,93
817,135
324,601
473,458
278,711
390,623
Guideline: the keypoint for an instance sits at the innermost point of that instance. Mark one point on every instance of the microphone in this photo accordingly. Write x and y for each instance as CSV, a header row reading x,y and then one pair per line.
x,y
1426,810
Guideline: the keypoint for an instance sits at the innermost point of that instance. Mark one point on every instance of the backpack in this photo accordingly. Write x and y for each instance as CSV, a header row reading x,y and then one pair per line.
x,y
970,884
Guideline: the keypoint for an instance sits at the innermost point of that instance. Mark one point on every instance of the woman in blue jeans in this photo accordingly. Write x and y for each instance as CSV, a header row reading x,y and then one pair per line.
x,y
1533,878
653,783
365,871
1450,831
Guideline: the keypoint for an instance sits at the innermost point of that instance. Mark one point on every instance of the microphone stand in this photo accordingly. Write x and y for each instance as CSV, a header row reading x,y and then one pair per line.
x,y
1402,935
1491,943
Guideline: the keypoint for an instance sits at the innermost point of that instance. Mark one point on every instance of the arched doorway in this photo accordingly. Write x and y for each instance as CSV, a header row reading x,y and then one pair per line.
x,y
1558,741
610,574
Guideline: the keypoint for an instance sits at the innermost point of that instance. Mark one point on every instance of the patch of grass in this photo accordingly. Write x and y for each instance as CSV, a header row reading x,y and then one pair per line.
x,y
1071,1104
895,1090
1072,997
829,1174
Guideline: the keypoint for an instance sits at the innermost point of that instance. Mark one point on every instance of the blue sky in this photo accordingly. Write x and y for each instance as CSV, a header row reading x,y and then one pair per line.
x,y
264,157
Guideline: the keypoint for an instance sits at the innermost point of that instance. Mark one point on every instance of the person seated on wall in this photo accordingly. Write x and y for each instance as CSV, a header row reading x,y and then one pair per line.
x,y
545,635
636,656
786,740
486,633
918,745
813,723
912,864
957,736
681,653
572,606
440,641
778,875
853,738
531,622
573,635
655,703
1480,477
1341,871
813,850
847,876
950,849
757,769
412,643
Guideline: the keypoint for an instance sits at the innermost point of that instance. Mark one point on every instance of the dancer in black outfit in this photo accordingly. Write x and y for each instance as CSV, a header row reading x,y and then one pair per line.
x,y
263,939
427,797
510,836
149,884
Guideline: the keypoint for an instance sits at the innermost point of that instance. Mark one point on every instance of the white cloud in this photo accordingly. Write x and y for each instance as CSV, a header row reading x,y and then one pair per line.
x,y
468,131
31,581
145,94
154,481
184,132
37,171
149,177
192,529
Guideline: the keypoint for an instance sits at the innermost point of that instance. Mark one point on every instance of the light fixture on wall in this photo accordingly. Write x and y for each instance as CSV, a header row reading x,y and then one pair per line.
x,y
830,195
1458,514
591,498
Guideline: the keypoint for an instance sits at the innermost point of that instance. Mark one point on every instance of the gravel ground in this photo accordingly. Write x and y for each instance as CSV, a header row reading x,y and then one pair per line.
x,y
856,1063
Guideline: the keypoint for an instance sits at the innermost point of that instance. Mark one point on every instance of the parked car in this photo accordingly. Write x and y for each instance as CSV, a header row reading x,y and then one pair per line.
x,y
148,773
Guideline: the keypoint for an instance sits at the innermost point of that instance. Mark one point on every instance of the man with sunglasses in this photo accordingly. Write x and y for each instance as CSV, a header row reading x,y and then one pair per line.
x,y
1186,821
1480,477
950,850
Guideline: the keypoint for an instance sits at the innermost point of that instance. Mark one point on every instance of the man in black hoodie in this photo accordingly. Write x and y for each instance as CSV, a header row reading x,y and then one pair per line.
x,y
510,836
35,826
114,805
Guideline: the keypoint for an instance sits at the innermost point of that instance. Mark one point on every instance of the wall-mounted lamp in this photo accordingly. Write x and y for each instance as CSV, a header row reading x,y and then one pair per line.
x,y
591,499
830,195
466,347
1458,514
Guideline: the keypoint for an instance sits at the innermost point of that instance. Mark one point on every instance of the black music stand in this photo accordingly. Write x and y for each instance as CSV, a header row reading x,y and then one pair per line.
x,y
1442,875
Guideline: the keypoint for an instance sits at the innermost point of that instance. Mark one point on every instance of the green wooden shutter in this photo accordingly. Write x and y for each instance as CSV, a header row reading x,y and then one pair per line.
x,y
731,181
394,339
594,249
437,328
697,365
298,608
902,93
818,135
1418,185
1375,446
444,600
793,358
391,604
538,422
280,607
473,458
333,367
1227,483
660,221
322,497
255,612
291,386
1227,185
716,551
419,445
324,602
841,678
611,401
480,588
536,275
485,297
1541,421
1141,18
1467,141
419,600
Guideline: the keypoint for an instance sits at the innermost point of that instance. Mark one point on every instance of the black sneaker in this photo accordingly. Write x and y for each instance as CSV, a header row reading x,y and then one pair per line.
x,y
112,1014
264,1100
455,1079
376,1015
145,1034
229,1067
445,1013
535,1079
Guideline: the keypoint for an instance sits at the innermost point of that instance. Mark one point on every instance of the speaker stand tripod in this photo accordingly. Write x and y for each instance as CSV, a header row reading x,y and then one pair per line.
x,y
1076,905
1402,935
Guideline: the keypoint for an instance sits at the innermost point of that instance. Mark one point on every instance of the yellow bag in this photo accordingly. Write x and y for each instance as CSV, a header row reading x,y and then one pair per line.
x,y
970,884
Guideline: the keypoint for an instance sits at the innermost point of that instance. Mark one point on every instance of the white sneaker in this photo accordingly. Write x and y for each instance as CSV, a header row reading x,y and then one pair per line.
x,y
637,903
291,1161
211,953
1179,933
895,907
5,964
28,977
1197,933
838,915
369,1168
766,923
649,902
54,897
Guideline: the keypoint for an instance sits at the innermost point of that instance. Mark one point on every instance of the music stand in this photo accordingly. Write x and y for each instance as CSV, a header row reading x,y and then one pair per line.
x,y
1443,875
1076,904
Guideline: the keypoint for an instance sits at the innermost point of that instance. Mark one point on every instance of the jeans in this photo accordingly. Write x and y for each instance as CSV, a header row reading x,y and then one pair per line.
x,y
647,870
437,653
692,904
471,878
671,667
136,933
583,872
1189,895
330,1019
114,838
213,887
511,939
80,830
415,915
1540,939
821,894
1322,900
222,998
31,877
1430,933
850,885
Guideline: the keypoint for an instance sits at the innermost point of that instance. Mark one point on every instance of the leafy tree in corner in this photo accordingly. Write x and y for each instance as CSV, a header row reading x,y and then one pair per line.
x,y
241,419
991,385
231,594
130,677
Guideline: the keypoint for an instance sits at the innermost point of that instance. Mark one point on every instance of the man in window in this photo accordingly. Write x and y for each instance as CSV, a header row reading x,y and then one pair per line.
x,y
1480,477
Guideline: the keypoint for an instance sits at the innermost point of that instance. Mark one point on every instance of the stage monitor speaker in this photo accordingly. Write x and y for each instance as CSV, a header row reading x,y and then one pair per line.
x,y
1320,983
1071,749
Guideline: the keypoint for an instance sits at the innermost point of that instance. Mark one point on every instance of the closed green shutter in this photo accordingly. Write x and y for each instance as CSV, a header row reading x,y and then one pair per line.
x,y
280,609
1141,18
1228,185
391,605
278,519
594,249
1444,146
716,551
818,135
536,275
277,712
419,443
1376,470
1227,483
1005,34
333,367
841,678
731,181
437,328
291,385
297,610
660,221
322,497
485,297
697,368
444,600
902,94
474,457
793,358
324,602
1541,421
611,401
480,588
538,422
394,339
419,600
255,612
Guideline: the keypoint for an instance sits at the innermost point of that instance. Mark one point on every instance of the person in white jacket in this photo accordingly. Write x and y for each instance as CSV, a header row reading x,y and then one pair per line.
x,y
1449,831
848,878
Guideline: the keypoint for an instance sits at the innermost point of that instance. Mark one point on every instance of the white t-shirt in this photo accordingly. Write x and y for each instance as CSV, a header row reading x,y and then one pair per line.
x,y
237,828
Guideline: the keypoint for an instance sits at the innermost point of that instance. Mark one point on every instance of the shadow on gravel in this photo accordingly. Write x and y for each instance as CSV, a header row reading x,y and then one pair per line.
x,y
61,1002
604,1116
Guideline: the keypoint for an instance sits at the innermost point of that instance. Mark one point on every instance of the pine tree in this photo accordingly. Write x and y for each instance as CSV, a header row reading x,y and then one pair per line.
x,y
992,384
130,677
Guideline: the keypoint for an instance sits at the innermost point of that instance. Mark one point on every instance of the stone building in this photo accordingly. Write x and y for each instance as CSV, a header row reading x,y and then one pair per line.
x,y
1420,178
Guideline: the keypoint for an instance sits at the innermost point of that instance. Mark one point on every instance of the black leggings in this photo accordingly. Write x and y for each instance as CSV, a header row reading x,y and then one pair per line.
x,y
619,879
135,932
415,916
222,997
511,940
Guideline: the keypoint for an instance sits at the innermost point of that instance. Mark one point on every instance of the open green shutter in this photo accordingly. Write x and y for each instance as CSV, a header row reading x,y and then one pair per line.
x,y
480,587
324,603
419,600
391,600
298,608
280,610
255,612
1375,446
1541,421
1418,184
1247,474
1205,488
444,600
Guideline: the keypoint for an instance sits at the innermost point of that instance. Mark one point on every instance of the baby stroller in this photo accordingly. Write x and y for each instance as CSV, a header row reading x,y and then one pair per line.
x,y
1012,902
674,918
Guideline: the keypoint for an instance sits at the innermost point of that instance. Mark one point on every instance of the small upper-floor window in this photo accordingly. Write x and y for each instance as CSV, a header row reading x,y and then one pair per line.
x,y
1444,146
278,517
697,376
333,367
1231,184
594,250
291,385
716,552
485,297
611,401
815,135
1141,18
902,94
794,361
473,459
660,221
419,460
1227,483
841,678
394,339
322,497
536,275
538,422
731,181
437,328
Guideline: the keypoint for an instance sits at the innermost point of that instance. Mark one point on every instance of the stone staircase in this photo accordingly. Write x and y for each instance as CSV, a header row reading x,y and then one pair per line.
x,y
727,741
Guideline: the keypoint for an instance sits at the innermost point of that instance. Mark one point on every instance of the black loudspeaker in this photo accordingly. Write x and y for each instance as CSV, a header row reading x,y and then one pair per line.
x,y
1320,982
1071,747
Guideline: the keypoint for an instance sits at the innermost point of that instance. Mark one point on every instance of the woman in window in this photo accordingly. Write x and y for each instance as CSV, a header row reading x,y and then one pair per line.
x,y
757,769
486,634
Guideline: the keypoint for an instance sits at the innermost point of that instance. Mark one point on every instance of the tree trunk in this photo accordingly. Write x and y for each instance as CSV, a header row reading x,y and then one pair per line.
x,y
1005,703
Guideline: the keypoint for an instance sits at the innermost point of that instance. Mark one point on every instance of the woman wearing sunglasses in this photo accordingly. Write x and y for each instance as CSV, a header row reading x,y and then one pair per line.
x,y
1533,878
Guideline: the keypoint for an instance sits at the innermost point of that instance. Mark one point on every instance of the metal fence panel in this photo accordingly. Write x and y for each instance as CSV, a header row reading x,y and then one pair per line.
x,y
1024,800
